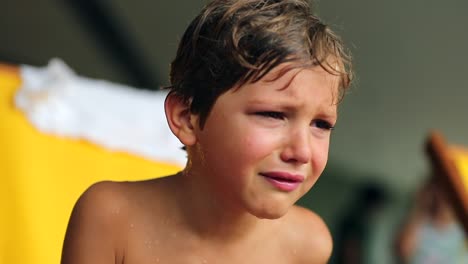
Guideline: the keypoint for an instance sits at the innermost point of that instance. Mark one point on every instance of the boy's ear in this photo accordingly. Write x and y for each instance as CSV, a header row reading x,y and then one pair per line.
x,y
180,120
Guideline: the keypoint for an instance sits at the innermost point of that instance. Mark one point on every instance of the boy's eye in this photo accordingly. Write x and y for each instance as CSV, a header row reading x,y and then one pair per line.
x,y
322,124
271,114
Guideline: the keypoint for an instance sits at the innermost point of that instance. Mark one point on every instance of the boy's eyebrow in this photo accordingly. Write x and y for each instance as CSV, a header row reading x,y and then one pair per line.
x,y
289,103
328,114
283,101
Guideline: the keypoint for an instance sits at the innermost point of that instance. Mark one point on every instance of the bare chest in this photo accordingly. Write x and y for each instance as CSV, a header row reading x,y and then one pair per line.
x,y
184,256
178,249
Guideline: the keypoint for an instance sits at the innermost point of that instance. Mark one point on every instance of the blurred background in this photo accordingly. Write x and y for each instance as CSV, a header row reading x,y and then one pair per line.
x,y
410,60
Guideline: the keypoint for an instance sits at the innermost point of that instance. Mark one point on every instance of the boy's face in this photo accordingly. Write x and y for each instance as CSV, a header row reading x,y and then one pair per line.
x,y
265,144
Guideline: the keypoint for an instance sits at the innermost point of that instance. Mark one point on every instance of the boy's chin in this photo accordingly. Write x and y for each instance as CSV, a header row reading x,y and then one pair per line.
x,y
270,214
273,207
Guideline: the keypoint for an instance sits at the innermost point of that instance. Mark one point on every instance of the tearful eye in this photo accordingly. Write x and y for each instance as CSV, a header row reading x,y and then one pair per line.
x,y
322,124
271,114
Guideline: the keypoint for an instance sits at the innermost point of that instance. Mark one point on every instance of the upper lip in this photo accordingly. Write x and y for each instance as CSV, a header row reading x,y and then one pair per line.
x,y
284,176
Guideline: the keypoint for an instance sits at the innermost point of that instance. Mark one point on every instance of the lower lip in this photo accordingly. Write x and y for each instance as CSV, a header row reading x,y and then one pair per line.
x,y
283,185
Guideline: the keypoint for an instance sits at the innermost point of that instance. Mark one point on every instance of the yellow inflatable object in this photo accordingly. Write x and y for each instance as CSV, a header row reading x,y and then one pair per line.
x,y
461,162
42,176
450,162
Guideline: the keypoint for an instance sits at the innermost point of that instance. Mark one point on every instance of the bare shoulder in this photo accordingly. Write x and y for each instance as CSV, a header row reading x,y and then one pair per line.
x,y
92,235
310,236
111,203
101,201
101,220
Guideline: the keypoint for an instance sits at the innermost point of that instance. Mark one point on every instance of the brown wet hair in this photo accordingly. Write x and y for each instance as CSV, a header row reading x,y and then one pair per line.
x,y
232,42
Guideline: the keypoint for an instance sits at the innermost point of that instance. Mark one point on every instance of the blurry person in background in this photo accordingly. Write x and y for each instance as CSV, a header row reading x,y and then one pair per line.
x,y
431,234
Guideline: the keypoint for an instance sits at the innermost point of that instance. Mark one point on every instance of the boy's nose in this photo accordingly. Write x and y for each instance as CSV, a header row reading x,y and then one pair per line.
x,y
297,147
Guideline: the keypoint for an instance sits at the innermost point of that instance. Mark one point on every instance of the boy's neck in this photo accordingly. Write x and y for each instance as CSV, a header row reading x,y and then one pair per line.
x,y
208,217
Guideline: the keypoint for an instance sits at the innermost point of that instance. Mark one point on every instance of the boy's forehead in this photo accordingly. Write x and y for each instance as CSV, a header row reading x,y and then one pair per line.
x,y
284,74
281,78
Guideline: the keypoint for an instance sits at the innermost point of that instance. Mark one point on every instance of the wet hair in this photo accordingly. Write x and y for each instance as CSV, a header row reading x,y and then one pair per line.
x,y
232,42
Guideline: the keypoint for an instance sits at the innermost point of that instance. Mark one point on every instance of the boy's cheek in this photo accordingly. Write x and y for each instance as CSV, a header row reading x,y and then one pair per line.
x,y
255,140
320,159
260,144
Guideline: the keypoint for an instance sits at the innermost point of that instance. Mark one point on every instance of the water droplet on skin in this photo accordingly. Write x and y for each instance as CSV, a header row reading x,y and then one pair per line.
x,y
204,261
116,210
148,244
132,225
157,260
